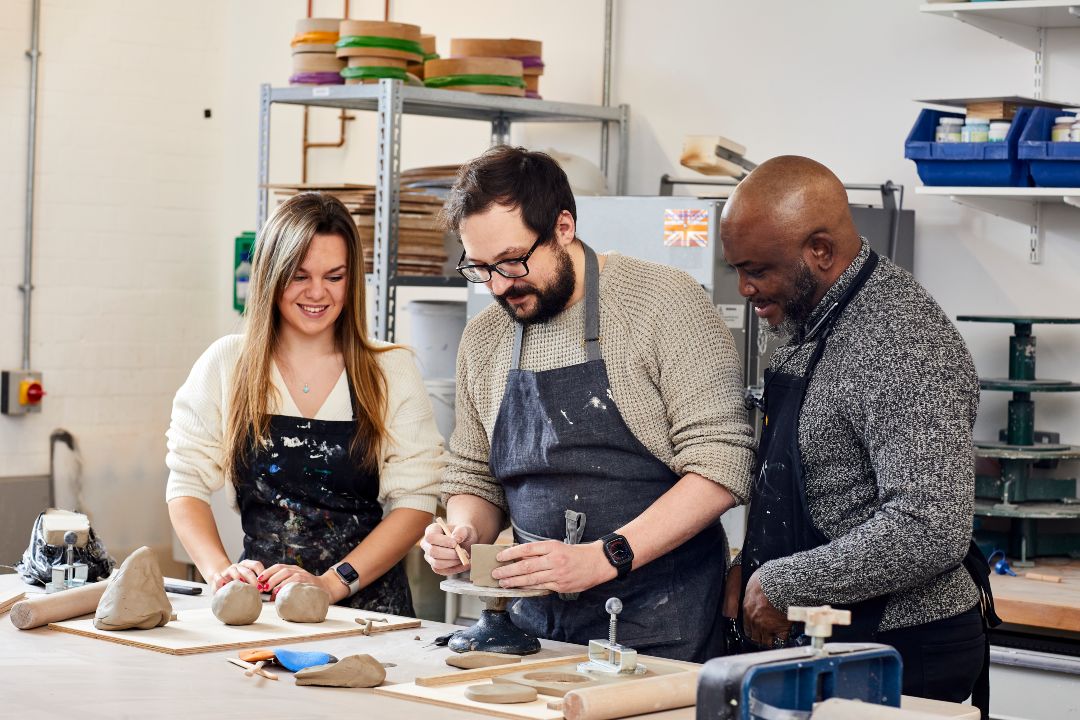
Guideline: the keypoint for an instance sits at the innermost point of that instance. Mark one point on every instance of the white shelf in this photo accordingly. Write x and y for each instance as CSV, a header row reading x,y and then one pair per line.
x,y
1029,194
1019,204
1017,21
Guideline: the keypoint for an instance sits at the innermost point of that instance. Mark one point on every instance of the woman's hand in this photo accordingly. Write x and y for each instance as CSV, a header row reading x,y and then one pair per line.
x,y
244,571
278,576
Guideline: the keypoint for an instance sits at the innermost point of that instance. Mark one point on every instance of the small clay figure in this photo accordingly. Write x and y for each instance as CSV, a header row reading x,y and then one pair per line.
x,y
353,671
135,597
302,603
237,603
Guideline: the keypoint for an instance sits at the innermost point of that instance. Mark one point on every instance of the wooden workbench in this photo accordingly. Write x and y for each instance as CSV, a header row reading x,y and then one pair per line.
x,y
1056,606
45,673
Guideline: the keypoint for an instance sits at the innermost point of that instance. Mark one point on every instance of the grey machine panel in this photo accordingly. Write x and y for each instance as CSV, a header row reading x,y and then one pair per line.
x,y
635,226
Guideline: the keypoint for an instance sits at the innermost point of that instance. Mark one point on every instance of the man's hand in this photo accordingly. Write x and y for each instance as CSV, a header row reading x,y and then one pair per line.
x,y
552,565
439,549
762,623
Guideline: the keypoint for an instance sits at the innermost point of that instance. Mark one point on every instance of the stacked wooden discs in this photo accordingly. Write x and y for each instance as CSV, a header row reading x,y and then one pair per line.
x,y
376,50
427,42
487,75
527,51
315,61
421,248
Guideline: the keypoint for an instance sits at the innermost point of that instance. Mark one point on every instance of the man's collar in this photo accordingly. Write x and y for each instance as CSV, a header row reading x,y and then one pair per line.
x,y
842,284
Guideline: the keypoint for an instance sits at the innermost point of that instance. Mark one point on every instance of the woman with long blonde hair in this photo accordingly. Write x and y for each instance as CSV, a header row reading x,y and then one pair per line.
x,y
326,437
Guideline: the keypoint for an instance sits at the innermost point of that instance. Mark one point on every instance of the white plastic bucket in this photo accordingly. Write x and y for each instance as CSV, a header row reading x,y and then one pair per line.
x,y
442,397
436,328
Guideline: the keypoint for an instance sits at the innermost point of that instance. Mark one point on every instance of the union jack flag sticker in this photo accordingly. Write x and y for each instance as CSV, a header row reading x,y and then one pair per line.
x,y
686,228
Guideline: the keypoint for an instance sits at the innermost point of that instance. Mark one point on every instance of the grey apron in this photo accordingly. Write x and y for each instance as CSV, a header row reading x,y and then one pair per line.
x,y
572,470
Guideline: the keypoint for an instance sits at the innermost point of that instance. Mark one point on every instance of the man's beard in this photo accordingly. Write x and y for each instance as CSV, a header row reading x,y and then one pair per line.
x,y
550,300
798,309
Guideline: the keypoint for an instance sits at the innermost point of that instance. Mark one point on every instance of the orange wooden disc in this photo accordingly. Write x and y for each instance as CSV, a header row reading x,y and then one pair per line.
x,y
254,655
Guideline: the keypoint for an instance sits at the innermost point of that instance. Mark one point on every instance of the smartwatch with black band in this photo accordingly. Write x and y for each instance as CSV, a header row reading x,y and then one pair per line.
x,y
617,551
348,576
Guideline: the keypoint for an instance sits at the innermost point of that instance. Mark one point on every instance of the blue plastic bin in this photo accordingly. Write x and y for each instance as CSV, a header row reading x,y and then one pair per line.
x,y
1053,164
989,164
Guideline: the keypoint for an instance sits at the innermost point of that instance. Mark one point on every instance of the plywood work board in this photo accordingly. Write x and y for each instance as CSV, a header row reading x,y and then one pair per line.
x,y
448,689
198,631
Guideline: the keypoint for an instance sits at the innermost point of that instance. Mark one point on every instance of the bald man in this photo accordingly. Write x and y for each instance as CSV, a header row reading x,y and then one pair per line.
x,y
864,491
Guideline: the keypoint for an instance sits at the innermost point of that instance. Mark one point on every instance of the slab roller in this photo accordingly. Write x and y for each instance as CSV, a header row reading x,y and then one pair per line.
x,y
494,631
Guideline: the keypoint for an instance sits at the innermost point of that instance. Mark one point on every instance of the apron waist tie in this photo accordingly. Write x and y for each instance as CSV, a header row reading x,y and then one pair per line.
x,y
575,529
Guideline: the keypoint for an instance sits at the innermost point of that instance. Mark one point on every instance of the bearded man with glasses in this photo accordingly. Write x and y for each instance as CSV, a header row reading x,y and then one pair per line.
x,y
599,413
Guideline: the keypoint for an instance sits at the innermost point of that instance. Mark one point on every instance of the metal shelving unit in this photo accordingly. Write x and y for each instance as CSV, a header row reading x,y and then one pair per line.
x,y
391,99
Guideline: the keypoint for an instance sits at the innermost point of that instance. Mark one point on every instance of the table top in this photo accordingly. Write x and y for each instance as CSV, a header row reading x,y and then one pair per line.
x,y
44,669
1023,601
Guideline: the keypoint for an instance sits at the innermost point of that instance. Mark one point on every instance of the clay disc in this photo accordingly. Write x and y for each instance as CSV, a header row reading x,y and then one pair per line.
x,y
502,694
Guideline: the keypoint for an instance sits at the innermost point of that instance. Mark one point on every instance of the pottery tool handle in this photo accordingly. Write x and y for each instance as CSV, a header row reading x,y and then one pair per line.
x,y
43,609
446,529
618,700
1044,578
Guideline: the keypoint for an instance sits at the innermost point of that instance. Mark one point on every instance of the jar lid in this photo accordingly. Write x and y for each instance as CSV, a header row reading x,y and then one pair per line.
x,y
977,121
1002,124
1070,119
952,121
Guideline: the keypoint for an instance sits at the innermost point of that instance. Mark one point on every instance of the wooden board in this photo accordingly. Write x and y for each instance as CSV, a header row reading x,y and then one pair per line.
x,y
198,631
1024,601
448,689
9,598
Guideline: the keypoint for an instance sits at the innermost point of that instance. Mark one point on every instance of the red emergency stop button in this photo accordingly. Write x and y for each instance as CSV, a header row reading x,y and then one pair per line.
x,y
30,392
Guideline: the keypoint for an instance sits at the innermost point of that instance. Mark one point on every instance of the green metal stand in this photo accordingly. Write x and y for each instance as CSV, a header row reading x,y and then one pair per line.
x,y
1015,494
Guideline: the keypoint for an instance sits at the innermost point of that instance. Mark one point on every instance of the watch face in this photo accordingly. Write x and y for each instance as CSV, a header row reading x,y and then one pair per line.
x,y
619,550
345,570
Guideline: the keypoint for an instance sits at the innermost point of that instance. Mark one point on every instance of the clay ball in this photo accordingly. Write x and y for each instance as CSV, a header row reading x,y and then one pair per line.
x,y
303,603
237,603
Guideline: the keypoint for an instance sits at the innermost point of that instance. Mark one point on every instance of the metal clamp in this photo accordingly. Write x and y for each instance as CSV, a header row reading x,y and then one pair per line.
x,y
610,657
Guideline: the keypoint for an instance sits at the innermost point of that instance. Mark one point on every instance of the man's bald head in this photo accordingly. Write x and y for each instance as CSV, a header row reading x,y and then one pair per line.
x,y
788,229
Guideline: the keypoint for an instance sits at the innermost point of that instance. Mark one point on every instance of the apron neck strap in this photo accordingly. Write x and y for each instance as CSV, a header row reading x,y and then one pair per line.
x,y
592,313
826,324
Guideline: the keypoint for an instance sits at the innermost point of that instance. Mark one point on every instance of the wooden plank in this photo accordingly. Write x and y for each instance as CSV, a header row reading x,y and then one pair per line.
x,y
494,670
454,697
198,631
1026,601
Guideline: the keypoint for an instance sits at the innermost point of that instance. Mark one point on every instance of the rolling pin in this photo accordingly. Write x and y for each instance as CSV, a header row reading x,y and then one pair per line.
x,y
43,609
634,697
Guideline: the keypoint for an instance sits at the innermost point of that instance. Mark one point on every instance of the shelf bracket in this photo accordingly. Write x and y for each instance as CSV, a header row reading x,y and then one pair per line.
x,y
1019,211
262,205
1025,37
1071,200
1035,237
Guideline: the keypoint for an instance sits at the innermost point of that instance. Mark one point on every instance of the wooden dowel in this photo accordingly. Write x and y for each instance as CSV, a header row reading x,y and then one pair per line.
x,y
1044,578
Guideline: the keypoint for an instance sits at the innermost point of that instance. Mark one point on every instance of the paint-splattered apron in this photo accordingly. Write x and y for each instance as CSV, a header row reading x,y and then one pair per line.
x,y
304,501
572,470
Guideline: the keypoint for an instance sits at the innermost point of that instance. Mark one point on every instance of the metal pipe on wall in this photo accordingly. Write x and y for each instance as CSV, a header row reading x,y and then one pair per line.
x,y
31,146
606,93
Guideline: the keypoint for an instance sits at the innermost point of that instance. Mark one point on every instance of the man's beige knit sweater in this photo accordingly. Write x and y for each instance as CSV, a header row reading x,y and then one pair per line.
x,y
671,361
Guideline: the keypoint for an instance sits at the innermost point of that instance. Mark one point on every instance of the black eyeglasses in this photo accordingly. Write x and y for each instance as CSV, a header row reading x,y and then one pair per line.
x,y
512,268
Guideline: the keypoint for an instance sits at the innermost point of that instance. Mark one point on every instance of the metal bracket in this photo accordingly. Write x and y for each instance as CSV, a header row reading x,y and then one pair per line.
x,y
1022,35
387,206
500,130
262,207
1019,211
1040,65
1035,237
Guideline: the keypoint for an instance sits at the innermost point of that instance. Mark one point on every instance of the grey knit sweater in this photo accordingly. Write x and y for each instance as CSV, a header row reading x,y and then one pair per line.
x,y
672,364
885,436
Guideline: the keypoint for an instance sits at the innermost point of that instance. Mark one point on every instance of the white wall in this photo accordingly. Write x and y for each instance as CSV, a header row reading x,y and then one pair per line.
x,y
139,196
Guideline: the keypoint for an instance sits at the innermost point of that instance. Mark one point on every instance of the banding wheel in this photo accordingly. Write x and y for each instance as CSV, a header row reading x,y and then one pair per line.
x,y
494,631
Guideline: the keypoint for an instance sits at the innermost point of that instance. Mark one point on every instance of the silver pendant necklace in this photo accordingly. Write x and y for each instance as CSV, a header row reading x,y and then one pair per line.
x,y
306,388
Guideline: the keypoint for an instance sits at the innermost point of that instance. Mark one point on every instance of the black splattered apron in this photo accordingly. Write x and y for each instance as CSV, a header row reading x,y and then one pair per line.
x,y
305,501
572,470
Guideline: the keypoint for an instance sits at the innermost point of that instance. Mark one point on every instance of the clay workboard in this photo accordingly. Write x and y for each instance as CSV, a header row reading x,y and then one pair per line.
x,y
198,631
448,690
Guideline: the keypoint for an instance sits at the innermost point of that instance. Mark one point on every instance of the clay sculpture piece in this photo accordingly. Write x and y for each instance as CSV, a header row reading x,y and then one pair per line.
x,y
352,671
483,562
302,603
237,603
478,659
502,694
135,597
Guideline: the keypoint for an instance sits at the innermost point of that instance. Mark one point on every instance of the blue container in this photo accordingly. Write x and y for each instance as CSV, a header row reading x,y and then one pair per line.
x,y
989,164
1053,164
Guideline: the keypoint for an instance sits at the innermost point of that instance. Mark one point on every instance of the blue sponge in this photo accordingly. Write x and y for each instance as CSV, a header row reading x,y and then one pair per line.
x,y
295,660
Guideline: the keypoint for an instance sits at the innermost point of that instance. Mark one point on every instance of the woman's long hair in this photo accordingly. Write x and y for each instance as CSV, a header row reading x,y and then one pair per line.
x,y
279,251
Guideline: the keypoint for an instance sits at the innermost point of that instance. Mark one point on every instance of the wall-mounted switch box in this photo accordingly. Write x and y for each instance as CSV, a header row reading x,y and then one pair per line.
x,y
21,392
